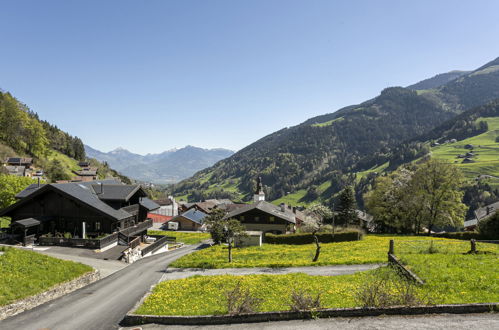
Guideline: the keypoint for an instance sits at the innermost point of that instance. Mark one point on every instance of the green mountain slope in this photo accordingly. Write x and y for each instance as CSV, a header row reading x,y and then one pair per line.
x,y
332,147
23,134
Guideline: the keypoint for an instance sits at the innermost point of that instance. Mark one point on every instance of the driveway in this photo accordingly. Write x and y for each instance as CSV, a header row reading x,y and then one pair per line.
x,y
177,273
484,321
102,304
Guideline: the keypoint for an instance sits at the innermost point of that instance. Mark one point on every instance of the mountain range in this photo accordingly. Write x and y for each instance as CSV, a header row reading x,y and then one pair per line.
x,y
167,167
316,158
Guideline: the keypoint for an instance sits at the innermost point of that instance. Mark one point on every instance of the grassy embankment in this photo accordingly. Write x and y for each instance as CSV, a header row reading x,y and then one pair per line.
x,y
26,273
186,238
451,277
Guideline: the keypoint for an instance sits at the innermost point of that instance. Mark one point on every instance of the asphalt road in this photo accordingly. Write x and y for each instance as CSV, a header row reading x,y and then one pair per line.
x,y
100,305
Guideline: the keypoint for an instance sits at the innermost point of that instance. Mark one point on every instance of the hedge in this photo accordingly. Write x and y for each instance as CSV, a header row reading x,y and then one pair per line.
x,y
307,238
464,235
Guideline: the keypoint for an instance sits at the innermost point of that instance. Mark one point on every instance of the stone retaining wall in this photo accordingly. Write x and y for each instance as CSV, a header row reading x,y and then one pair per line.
x,y
54,293
134,320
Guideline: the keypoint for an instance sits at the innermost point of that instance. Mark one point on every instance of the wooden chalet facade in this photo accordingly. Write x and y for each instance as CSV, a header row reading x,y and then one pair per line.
x,y
264,216
84,209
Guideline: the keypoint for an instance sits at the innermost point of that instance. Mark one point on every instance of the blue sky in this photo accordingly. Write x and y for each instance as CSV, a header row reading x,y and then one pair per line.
x,y
153,75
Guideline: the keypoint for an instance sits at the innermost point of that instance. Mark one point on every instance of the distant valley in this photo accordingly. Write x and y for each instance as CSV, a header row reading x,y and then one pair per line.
x,y
167,167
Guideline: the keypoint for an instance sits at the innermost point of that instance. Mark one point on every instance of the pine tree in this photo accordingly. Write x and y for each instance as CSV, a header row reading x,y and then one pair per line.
x,y
347,214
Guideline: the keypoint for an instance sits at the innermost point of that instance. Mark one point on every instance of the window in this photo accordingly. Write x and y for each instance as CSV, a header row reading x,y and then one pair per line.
x,y
97,225
257,219
241,217
271,219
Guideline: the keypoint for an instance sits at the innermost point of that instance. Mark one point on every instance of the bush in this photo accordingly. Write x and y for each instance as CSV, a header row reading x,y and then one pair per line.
x,y
385,288
489,228
464,235
302,301
307,238
240,301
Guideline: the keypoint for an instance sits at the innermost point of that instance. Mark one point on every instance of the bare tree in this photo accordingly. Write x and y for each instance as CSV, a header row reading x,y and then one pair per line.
x,y
316,215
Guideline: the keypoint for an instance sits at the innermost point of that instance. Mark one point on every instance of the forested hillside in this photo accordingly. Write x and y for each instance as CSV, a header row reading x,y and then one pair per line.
x,y
332,148
22,133
25,133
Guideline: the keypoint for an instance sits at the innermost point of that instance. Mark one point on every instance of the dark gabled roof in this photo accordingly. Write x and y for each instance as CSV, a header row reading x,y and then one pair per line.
x,y
18,160
116,192
28,190
267,208
163,202
86,173
149,204
33,187
193,215
86,195
482,213
79,191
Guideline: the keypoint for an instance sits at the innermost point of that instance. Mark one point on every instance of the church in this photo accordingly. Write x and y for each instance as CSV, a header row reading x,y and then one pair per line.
x,y
264,216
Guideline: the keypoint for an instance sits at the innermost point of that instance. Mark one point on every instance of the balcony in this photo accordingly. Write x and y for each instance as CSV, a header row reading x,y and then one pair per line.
x,y
131,231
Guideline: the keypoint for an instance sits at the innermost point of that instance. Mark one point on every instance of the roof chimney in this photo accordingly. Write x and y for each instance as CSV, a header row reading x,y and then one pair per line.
x,y
101,188
283,207
488,209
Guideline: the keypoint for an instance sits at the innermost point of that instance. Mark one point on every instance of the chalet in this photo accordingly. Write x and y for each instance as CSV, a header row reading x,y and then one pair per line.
x,y
84,164
205,206
481,213
19,161
167,207
192,219
86,175
264,216
467,161
16,170
81,210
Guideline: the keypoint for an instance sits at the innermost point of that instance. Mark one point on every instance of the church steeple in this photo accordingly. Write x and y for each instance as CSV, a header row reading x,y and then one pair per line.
x,y
259,194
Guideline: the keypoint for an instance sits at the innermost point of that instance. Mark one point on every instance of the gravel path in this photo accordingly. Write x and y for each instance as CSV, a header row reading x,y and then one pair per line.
x,y
177,273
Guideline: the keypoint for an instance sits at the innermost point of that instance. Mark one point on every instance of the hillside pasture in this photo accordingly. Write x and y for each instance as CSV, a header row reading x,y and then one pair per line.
x,y
486,150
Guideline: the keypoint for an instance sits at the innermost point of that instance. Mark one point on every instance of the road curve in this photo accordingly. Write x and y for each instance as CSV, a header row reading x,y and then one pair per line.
x,y
102,304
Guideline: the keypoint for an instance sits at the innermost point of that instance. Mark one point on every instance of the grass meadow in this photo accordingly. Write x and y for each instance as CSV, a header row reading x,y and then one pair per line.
x,y
26,273
186,238
451,277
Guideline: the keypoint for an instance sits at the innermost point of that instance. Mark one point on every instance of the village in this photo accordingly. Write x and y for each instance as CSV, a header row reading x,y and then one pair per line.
x,y
249,165
109,226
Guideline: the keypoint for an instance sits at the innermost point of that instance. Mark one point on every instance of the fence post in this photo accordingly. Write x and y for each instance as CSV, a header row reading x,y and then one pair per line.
x,y
473,245
392,247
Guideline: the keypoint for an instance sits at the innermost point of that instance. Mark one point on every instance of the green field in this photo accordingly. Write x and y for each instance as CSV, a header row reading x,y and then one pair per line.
x,y
204,295
451,277
327,123
372,249
186,238
26,273
486,150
